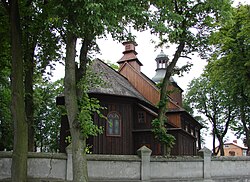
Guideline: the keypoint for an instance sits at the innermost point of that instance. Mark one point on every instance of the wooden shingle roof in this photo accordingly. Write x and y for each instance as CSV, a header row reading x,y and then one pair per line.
x,y
115,83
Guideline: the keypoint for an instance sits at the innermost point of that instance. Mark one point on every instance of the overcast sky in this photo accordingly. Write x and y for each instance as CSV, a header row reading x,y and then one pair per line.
x,y
112,51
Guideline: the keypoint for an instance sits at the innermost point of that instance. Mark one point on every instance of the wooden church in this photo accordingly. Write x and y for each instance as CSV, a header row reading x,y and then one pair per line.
x,y
131,98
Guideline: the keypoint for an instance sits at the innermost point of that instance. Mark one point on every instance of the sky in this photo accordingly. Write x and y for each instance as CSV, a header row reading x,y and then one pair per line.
x,y
147,53
112,51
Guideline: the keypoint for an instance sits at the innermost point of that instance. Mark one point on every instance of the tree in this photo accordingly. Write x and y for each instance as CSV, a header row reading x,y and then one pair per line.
x,y
24,32
188,25
231,67
40,46
6,125
216,104
20,147
88,21
47,114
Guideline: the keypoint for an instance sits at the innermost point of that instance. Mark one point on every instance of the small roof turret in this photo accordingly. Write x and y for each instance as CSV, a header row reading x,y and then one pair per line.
x,y
161,62
162,55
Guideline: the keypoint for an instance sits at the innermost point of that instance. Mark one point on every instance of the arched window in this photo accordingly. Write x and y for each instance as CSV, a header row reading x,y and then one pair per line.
x,y
113,124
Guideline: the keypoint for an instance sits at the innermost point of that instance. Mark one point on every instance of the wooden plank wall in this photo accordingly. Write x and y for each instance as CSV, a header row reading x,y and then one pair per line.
x,y
103,144
185,144
148,90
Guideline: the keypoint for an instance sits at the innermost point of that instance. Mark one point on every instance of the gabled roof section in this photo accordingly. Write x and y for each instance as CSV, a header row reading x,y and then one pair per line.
x,y
234,144
144,85
115,83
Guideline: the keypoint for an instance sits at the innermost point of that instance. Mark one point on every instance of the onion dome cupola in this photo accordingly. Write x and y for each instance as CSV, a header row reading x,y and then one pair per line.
x,y
161,62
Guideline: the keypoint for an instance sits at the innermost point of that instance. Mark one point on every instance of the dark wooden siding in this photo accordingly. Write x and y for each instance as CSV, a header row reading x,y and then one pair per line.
x,y
134,134
148,118
174,118
147,138
142,133
103,144
175,94
185,143
147,89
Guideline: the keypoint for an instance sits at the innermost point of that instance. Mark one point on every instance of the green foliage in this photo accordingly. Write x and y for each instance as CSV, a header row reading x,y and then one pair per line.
x,y
88,149
47,115
189,21
88,106
112,65
190,110
188,25
93,19
6,125
161,134
230,64
209,98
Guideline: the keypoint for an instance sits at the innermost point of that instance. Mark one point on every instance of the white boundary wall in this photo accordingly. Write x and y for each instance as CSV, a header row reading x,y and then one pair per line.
x,y
141,167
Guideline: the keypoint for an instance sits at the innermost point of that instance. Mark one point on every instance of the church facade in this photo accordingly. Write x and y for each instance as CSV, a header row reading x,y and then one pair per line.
x,y
130,99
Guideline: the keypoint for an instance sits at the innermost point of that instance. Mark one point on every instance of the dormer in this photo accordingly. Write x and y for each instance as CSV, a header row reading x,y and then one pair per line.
x,y
129,55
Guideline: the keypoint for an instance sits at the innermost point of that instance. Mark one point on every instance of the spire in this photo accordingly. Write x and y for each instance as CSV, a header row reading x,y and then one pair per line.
x,y
129,55
161,63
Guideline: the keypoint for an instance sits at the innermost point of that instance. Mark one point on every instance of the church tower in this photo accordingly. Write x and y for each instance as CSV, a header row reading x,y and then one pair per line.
x,y
161,62
129,55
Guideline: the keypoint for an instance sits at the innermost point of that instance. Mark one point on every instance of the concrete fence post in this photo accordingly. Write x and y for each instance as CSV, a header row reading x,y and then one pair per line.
x,y
69,167
206,154
145,154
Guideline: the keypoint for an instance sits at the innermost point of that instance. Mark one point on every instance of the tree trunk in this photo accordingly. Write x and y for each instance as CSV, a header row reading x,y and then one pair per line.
x,y
163,96
248,142
245,127
20,148
213,133
221,146
80,173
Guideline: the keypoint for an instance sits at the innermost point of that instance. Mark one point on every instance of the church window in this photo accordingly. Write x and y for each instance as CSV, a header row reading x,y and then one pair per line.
x,y
141,117
113,124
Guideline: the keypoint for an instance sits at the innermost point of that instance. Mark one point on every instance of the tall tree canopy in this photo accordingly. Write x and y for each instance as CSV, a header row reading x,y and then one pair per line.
x,y
47,115
88,21
23,42
6,125
186,24
230,64
214,102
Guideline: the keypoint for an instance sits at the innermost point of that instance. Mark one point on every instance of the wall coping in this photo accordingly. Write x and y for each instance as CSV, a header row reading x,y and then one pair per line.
x,y
4,154
136,158
230,158
47,155
100,157
176,159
